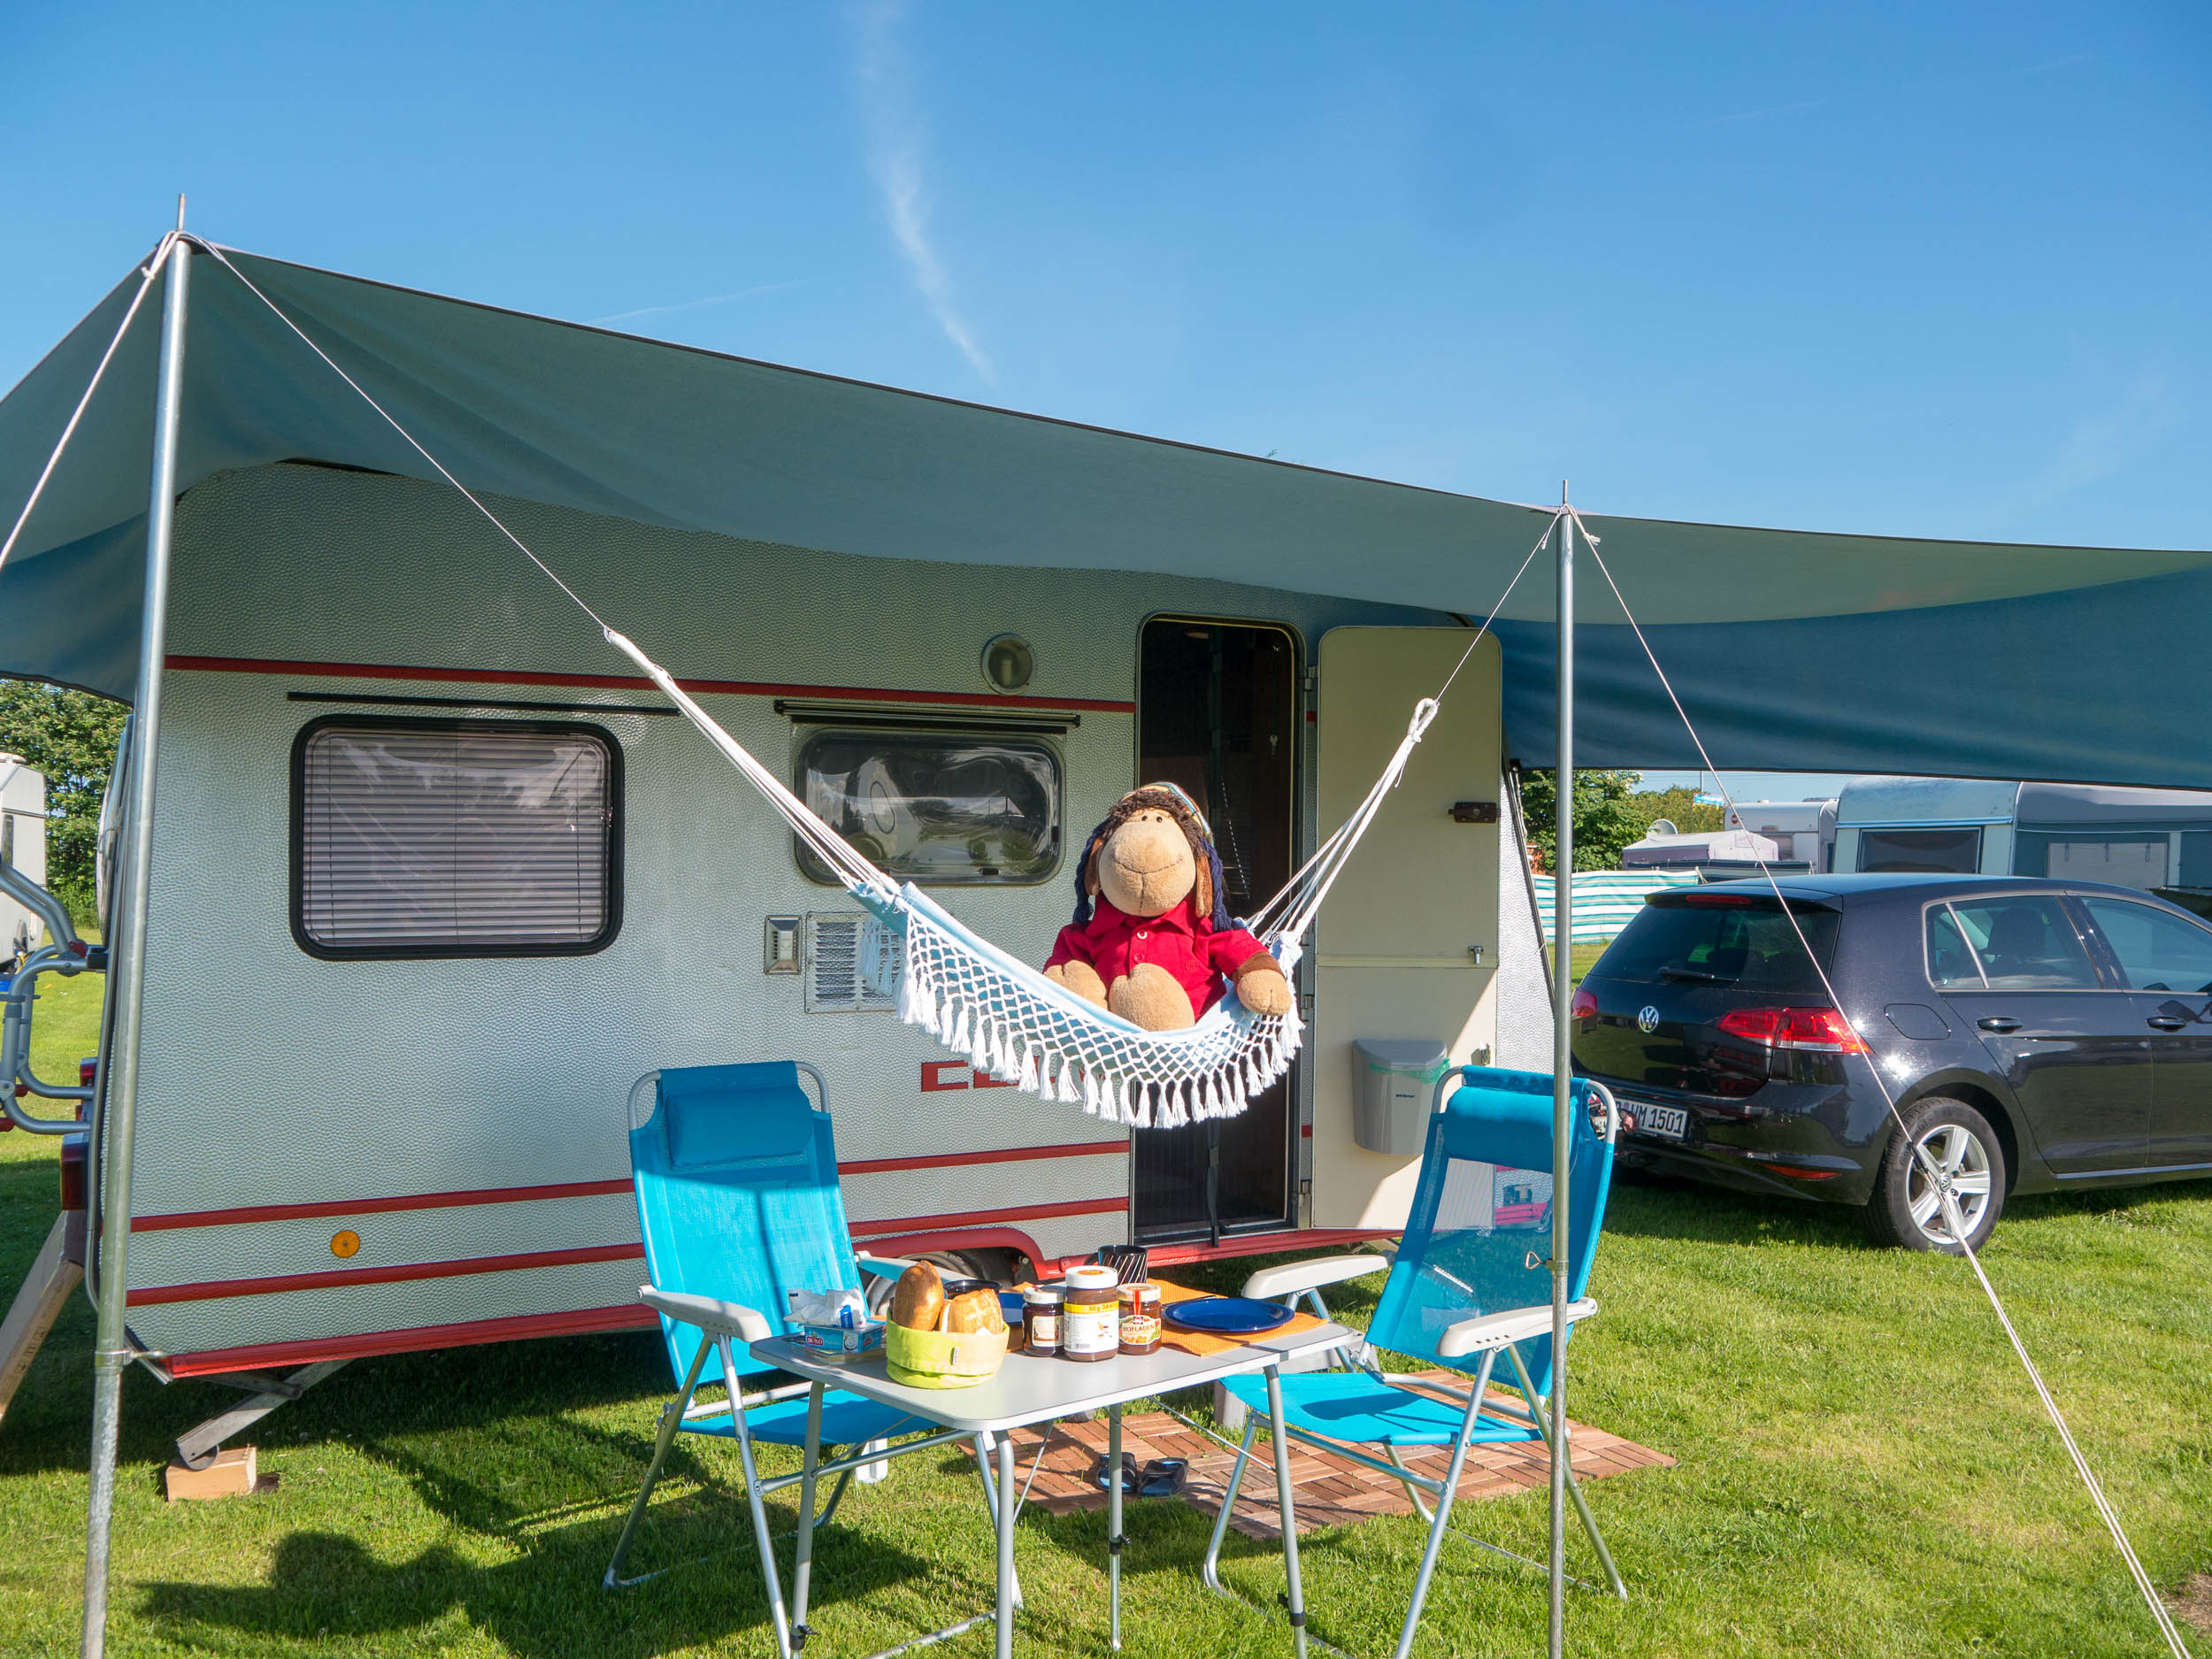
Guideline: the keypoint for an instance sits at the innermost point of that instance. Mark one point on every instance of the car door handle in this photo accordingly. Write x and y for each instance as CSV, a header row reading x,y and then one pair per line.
x,y
1999,1023
2165,1022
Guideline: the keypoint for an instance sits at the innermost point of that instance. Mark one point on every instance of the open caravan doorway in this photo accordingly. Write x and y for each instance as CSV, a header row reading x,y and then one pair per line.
x,y
1217,715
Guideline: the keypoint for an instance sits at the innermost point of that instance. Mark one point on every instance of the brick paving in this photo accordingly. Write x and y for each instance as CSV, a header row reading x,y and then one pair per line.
x,y
1327,1490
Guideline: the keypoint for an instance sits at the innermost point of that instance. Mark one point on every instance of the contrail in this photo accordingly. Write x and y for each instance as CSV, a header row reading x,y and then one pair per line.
x,y
693,305
894,161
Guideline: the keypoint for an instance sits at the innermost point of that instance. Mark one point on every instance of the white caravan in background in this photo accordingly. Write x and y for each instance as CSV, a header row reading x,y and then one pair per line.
x,y
1804,830
2157,839
23,844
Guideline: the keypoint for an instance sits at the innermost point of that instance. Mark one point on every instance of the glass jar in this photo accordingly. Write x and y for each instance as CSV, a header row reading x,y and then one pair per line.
x,y
1090,1327
1141,1318
1040,1313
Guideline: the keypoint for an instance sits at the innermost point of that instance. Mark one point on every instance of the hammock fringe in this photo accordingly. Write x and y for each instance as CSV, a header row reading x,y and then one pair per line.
x,y
1020,1029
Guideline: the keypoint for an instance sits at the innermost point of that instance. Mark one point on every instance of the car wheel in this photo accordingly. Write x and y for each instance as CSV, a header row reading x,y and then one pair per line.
x,y
1906,1209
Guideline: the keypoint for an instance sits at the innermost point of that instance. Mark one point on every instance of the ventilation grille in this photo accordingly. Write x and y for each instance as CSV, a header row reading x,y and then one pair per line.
x,y
853,963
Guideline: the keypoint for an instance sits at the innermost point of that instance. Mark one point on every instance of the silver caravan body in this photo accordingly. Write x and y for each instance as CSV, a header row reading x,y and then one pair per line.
x,y
344,1156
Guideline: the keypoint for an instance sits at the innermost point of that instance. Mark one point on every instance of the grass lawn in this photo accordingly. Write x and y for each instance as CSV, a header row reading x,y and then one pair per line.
x,y
1863,1470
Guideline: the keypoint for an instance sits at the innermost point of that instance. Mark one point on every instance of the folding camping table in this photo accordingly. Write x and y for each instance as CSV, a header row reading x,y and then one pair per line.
x,y
1030,1389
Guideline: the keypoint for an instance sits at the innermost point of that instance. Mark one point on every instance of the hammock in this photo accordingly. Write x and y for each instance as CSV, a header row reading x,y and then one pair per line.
x,y
1018,1026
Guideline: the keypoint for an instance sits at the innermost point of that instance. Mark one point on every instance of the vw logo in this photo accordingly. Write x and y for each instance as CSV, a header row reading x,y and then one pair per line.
x,y
1647,1019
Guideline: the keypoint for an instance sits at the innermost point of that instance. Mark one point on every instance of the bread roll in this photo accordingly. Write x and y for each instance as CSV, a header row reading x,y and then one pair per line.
x,y
975,1310
918,1298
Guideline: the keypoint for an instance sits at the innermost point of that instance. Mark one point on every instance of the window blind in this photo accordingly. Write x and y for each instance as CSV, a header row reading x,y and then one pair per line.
x,y
455,838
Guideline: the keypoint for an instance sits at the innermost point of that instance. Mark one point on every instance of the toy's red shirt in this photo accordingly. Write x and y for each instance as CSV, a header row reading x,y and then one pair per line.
x,y
1183,943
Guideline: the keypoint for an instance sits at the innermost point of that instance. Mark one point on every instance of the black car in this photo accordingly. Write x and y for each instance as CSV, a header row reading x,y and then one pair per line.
x,y
2035,1035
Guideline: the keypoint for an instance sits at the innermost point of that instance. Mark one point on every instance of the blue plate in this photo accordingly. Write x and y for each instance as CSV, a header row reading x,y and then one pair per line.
x,y
1228,1315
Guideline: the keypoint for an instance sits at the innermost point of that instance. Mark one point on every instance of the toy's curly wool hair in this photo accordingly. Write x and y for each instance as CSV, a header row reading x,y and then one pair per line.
x,y
1213,901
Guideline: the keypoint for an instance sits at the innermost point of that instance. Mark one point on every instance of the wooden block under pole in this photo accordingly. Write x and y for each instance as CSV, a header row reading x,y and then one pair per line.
x,y
46,1288
232,1475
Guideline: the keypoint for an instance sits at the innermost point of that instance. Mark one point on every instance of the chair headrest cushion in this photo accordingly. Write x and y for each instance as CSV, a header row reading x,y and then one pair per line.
x,y
1504,1118
720,1115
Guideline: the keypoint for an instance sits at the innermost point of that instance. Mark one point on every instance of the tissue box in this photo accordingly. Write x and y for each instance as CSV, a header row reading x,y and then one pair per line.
x,y
837,1342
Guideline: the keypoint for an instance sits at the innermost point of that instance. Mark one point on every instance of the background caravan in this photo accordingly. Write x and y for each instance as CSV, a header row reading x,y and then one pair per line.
x,y
457,907
2157,839
23,845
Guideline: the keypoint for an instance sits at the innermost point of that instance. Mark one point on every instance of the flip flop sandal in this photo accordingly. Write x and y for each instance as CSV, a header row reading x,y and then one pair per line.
x,y
1162,1478
1129,1476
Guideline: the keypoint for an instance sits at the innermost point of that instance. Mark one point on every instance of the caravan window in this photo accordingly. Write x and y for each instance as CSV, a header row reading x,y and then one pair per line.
x,y
1932,851
936,807
455,838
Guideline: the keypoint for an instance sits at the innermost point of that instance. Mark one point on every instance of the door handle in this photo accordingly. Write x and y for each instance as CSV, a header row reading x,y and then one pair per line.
x,y
1999,1023
2165,1022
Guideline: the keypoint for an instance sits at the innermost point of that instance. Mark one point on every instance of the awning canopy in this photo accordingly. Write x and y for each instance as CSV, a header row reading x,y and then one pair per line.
x,y
1792,650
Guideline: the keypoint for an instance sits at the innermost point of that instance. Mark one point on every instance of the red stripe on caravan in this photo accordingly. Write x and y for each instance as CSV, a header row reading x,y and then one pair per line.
x,y
375,1206
1002,1154
414,1339
988,1217
214,1289
632,682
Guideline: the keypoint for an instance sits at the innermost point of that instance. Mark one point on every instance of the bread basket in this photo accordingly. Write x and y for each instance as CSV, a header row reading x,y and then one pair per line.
x,y
941,1359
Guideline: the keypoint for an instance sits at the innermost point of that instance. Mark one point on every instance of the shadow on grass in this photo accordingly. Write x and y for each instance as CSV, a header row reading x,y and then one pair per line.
x,y
496,1441
1686,1212
545,1602
2108,1201
1671,1208
401,1394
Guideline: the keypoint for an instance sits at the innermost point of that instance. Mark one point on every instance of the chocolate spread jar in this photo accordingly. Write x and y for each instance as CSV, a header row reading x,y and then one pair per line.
x,y
1090,1323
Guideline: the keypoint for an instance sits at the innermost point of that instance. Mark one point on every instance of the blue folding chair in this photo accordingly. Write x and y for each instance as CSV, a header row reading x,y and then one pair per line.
x,y
735,1173
1472,1279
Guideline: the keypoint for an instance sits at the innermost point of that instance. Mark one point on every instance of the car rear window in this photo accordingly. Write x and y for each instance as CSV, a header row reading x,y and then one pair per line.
x,y
1740,941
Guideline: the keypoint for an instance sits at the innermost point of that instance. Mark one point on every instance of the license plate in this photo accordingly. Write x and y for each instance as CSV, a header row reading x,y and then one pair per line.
x,y
1669,1123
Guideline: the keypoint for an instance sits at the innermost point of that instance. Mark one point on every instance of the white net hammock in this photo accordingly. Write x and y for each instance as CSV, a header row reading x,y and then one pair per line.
x,y
1012,1023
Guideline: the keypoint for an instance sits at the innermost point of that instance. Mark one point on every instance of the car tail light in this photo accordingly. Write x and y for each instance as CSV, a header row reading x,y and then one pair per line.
x,y
72,1172
1820,1030
87,1069
1724,901
1585,1005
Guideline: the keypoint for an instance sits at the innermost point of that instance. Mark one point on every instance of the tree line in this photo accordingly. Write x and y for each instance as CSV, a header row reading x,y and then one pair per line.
x,y
71,737
1610,813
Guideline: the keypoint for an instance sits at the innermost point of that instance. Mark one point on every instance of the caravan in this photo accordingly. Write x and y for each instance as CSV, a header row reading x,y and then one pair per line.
x,y
22,845
2157,839
471,886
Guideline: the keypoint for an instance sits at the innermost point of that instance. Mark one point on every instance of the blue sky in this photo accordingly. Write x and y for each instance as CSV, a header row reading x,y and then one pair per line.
x,y
1925,270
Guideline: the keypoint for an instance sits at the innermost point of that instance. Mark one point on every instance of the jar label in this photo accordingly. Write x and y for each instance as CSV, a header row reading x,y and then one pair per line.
x,y
1093,1329
1044,1327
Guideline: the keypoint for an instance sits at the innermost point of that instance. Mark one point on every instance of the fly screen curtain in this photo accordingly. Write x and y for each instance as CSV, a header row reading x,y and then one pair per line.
x,y
476,837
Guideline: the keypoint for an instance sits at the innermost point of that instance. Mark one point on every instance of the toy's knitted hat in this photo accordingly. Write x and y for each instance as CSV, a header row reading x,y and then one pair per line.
x,y
1213,901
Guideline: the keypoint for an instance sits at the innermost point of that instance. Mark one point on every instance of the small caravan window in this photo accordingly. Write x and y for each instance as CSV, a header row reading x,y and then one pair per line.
x,y
455,838
936,807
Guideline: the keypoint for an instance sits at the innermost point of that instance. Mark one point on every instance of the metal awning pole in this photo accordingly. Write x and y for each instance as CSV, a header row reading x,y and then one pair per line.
x,y
1562,1061
111,1353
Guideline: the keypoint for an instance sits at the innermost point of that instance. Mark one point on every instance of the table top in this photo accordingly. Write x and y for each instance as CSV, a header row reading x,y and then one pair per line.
x,y
1035,1388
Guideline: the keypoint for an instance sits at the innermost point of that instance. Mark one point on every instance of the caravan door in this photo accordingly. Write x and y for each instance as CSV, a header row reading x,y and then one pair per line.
x,y
1408,943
